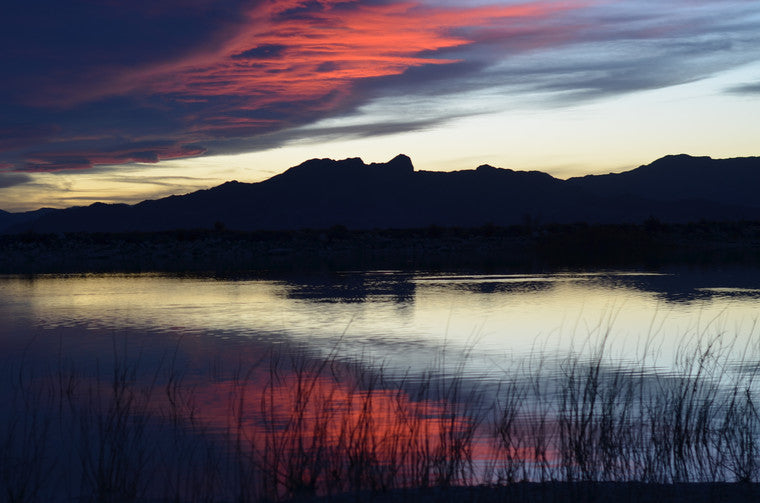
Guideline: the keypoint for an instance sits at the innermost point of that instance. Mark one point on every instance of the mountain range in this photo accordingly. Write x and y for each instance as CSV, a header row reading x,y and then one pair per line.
x,y
321,193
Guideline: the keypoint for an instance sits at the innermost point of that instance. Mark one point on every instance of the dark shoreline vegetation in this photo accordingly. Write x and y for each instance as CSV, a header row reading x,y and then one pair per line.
x,y
294,426
530,246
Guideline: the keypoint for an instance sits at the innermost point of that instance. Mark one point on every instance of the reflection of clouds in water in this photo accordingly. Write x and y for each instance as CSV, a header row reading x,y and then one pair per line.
x,y
401,318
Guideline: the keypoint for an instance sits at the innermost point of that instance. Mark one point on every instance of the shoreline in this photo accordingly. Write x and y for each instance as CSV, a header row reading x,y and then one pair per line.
x,y
486,248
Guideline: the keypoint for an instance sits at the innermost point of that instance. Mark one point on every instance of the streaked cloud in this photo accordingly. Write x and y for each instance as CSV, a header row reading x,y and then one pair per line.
x,y
109,83
13,179
751,88
117,89
151,152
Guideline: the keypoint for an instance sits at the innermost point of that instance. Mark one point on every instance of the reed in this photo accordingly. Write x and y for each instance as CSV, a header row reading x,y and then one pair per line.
x,y
295,426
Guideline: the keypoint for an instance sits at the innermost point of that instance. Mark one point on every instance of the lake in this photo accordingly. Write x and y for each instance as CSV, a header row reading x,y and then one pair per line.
x,y
404,319
549,349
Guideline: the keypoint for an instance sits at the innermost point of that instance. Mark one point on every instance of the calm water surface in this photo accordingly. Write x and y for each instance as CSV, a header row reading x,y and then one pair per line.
x,y
186,381
399,319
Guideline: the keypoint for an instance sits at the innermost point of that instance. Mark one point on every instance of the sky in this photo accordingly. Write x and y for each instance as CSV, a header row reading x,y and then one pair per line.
x,y
113,101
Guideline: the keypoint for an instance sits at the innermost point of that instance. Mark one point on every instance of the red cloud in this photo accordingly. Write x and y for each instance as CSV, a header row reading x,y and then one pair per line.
x,y
293,61
280,57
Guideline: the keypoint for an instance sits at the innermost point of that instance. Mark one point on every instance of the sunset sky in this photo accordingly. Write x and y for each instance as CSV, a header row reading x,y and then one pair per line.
x,y
107,100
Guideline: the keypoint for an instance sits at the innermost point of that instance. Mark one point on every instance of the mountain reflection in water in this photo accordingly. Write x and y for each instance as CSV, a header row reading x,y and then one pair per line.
x,y
367,381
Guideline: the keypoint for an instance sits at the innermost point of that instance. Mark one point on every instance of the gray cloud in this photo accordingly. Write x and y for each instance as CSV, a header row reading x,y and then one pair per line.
x,y
745,89
13,179
569,56
262,52
591,54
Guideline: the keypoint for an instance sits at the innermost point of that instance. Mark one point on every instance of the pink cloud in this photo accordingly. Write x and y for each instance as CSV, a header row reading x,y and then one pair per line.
x,y
286,64
322,51
325,51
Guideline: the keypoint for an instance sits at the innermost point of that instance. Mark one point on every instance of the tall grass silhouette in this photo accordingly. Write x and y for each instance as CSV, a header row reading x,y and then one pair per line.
x,y
294,426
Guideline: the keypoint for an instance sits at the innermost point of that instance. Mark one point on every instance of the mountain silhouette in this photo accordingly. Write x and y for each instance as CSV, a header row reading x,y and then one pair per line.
x,y
681,178
8,219
321,193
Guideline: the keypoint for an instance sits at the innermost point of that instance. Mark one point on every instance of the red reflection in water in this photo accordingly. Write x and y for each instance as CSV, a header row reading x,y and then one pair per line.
x,y
283,429
314,430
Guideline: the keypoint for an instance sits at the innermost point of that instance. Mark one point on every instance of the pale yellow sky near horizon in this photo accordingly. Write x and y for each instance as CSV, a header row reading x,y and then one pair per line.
x,y
606,135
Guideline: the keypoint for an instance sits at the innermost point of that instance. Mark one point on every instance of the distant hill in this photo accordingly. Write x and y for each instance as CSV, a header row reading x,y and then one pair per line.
x,y
732,182
8,219
321,193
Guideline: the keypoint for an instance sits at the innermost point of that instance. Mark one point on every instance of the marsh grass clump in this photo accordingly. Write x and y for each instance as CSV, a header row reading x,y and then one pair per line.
x,y
295,426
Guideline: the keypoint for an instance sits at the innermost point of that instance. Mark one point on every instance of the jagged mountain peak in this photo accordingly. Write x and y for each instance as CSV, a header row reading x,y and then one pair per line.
x,y
401,164
319,193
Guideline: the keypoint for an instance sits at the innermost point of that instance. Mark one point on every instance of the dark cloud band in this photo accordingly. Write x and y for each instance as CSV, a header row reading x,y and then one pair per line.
x,y
105,83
